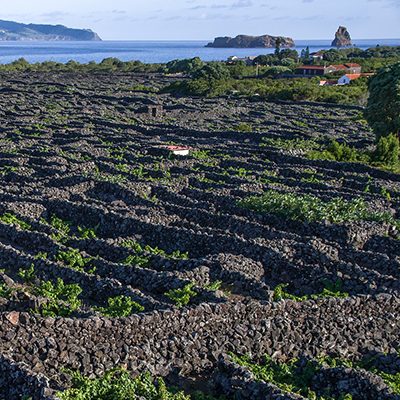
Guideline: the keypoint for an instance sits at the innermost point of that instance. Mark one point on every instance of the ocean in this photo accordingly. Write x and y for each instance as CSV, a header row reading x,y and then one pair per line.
x,y
148,51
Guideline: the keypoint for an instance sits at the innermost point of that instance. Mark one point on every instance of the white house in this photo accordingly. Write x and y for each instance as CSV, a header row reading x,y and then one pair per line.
x,y
318,56
247,60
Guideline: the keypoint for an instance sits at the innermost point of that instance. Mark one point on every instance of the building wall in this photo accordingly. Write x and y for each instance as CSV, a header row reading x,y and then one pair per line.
x,y
344,80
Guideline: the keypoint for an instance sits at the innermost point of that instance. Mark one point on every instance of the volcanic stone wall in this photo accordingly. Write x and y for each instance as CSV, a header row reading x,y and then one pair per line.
x,y
241,384
193,339
17,381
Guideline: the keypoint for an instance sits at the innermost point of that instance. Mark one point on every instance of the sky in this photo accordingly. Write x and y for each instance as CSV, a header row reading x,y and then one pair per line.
x,y
206,19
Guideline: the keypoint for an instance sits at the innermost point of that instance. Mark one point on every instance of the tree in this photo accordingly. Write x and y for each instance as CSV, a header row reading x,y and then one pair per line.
x,y
307,53
278,43
265,59
383,109
186,65
238,69
287,62
387,150
332,55
289,53
212,71
21,64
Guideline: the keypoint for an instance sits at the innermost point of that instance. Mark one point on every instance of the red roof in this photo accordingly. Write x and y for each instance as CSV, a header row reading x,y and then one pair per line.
x,y
352,65
339,67
353,76
328,82
176,148
320,67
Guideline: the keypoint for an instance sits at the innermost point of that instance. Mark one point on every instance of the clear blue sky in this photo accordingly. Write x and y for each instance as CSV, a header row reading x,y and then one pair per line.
x,y
205,19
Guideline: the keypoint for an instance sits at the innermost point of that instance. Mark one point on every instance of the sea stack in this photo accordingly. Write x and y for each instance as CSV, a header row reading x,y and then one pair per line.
x,y
342,38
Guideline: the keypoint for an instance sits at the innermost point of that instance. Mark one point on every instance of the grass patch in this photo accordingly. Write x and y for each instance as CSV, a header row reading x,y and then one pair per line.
x,y
201,154
243,127
290,144
5,291
309,208
75,260
118,384
120,306
385,155
62,228
331,289
181,297
294,376
11,219
341,152
87,233
141,253
63,299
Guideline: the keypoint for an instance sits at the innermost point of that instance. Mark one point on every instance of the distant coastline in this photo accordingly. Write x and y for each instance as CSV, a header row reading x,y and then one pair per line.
x,y
150,51
15,31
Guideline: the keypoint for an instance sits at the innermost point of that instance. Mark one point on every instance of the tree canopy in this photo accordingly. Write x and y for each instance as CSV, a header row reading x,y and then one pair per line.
x,y
383,110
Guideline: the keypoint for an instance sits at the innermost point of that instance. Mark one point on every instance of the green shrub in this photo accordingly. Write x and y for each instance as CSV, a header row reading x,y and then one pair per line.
x,y
87,233
28,274
136,260
75,260
200,154
243,127
5,291
141,253
212,71
341,152
182,297
213,286
293,376
310,208
62,227
187,66
120,306
63,299
11,219
290,144
281,294
387,150
118,384
382,111
296,375
331,289
392,380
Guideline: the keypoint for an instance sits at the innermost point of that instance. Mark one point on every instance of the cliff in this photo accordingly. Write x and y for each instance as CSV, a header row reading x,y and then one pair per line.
x,y
342,38
15,31
244,41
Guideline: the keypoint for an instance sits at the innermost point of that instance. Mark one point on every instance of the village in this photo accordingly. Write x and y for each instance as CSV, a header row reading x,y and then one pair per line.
x,y
351,71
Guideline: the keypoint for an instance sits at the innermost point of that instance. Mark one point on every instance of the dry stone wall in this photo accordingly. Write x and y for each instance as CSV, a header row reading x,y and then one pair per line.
x,y
193,339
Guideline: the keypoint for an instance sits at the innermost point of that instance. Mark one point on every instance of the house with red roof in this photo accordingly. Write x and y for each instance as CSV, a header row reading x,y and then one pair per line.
x,y
350,68
314,70
346,79
320,70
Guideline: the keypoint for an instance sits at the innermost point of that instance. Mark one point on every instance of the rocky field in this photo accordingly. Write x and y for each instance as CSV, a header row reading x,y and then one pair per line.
x,y
114,254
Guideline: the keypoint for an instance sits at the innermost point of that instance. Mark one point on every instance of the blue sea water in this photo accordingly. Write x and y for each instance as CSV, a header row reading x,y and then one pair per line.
x,y
148,51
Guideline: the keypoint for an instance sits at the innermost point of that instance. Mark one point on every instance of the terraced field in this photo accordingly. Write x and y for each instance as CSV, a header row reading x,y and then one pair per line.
x,y
114,255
